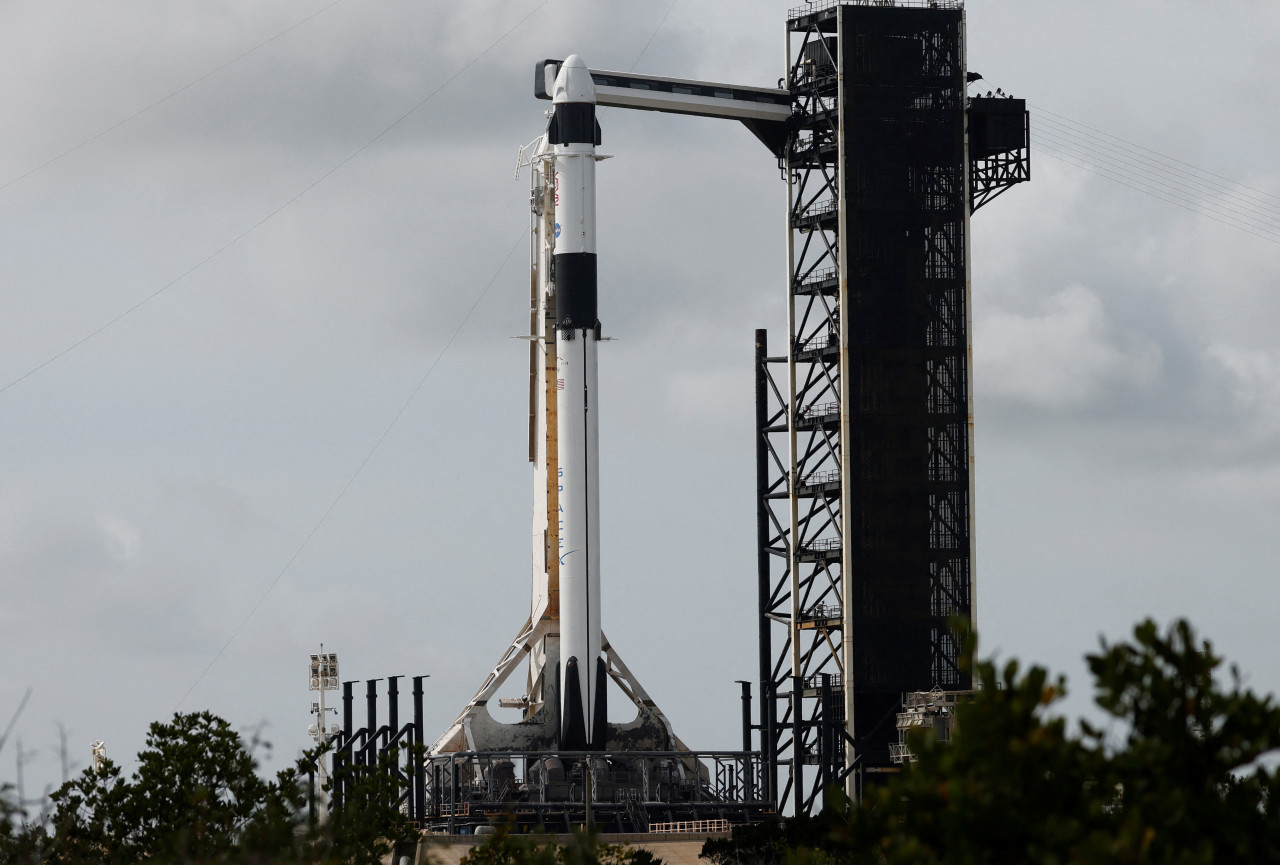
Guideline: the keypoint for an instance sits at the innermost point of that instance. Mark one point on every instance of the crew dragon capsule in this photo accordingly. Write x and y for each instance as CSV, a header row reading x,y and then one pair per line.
x,y
574,133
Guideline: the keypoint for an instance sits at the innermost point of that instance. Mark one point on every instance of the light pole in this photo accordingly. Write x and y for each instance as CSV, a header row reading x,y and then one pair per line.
x,y
322,675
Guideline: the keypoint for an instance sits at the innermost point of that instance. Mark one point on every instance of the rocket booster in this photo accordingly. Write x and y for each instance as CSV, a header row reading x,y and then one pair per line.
x,y
574,134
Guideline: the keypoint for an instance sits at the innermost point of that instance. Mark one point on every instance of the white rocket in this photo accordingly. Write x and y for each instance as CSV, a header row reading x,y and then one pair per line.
x,y
574,134
565,710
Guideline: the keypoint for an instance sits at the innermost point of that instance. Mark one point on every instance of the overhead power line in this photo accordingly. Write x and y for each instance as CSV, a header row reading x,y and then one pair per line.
x,y
403,408
1233,183
264,220
1219,194
1174,202
1150,172
1157,173
386,431
1067,151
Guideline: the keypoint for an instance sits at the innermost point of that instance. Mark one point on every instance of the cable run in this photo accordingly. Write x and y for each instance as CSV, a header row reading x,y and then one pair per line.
x,y
359,469
1173,177
242,235
1070,161
653,35
1157,153
1153,173
166,98
1190,197
1198,190
647,43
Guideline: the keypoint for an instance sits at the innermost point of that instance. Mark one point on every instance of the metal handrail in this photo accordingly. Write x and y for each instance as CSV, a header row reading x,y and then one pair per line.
x,y
819,208
819,276
815,681
819,478
823,5
817,410
822,341
821,611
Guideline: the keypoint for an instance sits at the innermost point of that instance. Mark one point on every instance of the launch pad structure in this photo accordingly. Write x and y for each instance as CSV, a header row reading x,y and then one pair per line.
x,y
864,443
865,424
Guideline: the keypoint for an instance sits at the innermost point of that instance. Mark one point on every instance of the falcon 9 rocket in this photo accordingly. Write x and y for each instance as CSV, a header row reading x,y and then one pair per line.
x,y
574,134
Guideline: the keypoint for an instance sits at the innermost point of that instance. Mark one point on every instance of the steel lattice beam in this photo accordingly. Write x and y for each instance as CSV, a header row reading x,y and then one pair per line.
x,y
865,427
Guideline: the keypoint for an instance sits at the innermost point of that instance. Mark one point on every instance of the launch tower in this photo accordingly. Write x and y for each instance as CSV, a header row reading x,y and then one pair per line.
x,y
864,436
865,424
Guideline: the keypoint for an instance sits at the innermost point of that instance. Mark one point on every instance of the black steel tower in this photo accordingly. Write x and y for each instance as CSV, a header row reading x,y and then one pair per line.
x,y
866,425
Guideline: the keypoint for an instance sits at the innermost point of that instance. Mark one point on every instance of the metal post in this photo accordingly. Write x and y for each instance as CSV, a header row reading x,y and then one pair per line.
x,y
371,724
322,723
848,534
768,708
390,739
393,707
747,780
342,754
347,699
453,791
420,770
797,750
826,728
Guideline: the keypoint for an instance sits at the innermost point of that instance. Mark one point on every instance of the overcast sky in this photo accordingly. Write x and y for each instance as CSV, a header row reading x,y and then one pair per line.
x,y
157,478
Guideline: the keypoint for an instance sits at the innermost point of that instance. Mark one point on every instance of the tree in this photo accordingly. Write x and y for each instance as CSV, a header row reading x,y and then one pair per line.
x,y
1181,785
19,841
582,848
1188,778
369,825
777,841
194,797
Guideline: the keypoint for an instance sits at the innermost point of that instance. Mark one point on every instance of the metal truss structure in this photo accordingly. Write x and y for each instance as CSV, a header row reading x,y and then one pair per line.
x,y
392,748
616,791
999,147
864,426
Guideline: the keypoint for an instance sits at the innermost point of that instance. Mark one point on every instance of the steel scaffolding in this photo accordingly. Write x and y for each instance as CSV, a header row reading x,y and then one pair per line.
x,y
864,426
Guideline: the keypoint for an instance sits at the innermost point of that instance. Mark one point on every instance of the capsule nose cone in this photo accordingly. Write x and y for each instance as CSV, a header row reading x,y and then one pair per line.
x,y
573,83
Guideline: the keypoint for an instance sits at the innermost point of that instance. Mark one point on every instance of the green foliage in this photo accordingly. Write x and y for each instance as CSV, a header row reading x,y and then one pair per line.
x,y
196,797
20,841
583,848
1190,789
1012,786
773,842
1182,786
369,825
1184,781
505,848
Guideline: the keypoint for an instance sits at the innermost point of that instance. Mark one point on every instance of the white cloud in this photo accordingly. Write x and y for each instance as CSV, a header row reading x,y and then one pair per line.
x,y
1255,383
120,538
1067,354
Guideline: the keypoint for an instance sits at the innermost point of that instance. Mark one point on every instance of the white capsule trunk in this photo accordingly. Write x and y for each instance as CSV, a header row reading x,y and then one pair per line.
x,y
578,434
